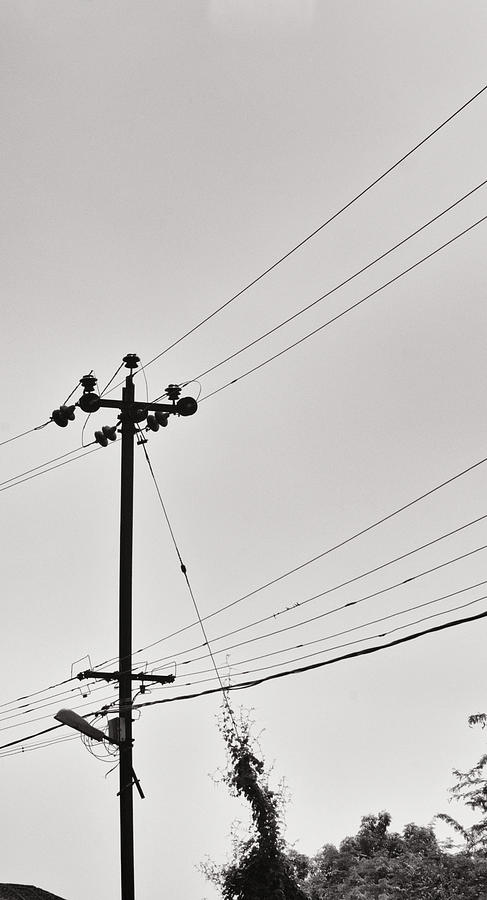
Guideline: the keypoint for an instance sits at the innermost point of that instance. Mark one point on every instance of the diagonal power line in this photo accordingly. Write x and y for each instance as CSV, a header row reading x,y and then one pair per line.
x,y
317,230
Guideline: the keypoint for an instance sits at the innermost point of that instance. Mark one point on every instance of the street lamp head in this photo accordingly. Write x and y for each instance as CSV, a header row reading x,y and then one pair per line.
x,y
186,406
70,718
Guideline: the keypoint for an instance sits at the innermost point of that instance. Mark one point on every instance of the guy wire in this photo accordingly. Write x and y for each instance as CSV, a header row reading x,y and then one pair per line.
x,y
191,593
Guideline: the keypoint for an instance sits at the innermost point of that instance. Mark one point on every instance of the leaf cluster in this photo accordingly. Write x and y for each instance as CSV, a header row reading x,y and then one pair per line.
x,y
260,869
376,864
470,788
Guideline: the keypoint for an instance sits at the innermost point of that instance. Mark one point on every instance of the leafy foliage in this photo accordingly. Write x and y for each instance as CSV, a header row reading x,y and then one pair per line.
x,y
471,789
376,864
260,869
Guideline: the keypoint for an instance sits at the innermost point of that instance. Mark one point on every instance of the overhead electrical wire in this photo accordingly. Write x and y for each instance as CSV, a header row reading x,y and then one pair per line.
x,y
49,468
49,715
292,571
297,671
51,687
20,741
293,249
32,748
322,615
23,433
337,287
343,312
296,659
13,750
37,427
42,465
27,709
329,662
20,479
327,552
317,230
338,646
328,637
30,736
46,467
105,389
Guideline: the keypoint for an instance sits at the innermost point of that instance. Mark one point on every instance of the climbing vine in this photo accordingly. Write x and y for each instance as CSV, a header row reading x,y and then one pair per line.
x,y
260,869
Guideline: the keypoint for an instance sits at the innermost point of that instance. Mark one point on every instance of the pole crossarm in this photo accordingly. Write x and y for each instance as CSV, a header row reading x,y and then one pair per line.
x,y
115,676
155,407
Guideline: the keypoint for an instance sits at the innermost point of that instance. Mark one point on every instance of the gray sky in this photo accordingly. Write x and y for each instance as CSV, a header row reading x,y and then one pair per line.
x,y
156,158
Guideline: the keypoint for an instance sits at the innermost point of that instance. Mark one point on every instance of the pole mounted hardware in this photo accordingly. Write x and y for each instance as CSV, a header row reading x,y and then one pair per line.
x,y
89,402
108,433
63,415
155,415
130,414
115,676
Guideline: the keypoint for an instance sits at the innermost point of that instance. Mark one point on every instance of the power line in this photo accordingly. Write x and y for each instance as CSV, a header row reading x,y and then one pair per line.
x,y
27,709
357,653
50,468
341,646
29,737
47,730
40,745
256,682
316,231
345,312
383,634
23,433
320,615
328,551
48,715
21,480
41,465
36,693
105,389
329,637
37,427
296,569
337,286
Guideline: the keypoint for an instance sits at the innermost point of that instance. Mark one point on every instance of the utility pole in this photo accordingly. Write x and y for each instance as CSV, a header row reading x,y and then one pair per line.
x,y
125,643
131,413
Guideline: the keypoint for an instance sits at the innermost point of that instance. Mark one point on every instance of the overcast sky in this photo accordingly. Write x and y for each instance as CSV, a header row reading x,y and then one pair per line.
x,y
157,157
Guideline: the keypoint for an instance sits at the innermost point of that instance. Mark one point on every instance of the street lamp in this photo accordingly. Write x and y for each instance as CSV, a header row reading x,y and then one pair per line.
x,y
73,720
70,718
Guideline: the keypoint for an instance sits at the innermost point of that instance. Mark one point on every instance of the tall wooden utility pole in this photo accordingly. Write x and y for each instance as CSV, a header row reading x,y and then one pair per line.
x,y
125,643
131,413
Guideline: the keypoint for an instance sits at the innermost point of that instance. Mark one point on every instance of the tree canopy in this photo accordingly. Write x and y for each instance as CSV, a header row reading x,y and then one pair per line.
x,y
376,864
470,788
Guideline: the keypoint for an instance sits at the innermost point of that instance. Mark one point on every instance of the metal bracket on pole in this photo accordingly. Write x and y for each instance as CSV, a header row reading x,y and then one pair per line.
x,y
135,781
115,676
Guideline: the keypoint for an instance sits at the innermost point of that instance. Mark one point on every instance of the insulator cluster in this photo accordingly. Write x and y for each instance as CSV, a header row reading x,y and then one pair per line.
x,y
90,402
63,415
107,433
156,421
